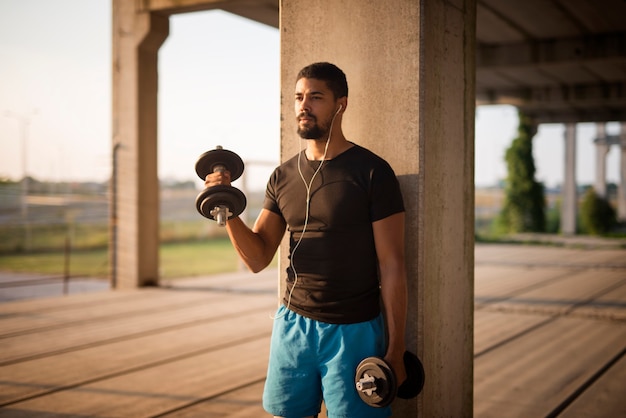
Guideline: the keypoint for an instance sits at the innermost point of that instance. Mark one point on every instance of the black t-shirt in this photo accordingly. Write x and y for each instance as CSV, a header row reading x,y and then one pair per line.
x,y
335,262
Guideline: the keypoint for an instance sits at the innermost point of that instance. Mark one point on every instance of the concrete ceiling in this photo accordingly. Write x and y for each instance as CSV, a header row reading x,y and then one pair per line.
x,y
557,60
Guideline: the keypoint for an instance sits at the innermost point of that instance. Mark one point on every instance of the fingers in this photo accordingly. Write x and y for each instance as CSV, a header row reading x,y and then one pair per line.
x,y
397,365
217,178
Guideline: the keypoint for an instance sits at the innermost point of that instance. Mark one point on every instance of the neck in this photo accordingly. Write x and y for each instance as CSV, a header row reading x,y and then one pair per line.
x,y
315,149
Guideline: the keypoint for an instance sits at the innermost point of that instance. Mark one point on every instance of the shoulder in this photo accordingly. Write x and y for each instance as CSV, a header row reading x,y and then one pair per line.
x,y
365,157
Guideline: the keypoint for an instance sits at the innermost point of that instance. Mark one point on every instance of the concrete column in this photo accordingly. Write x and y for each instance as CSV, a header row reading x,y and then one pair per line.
x,y
569,198
410,68
602,149
137,36
621,191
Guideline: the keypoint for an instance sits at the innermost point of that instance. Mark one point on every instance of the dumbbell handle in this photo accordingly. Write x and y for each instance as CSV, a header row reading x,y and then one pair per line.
x,y
220,213
367,385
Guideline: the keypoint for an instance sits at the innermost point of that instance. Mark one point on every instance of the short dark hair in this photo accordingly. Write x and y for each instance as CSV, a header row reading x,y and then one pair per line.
x,y
330,73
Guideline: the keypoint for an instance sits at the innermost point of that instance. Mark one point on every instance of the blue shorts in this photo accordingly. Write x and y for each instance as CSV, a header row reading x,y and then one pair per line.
x,y
311,361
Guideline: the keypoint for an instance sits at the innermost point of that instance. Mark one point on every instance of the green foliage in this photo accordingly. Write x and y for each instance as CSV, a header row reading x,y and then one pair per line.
x,y
597,216
524,203
553,219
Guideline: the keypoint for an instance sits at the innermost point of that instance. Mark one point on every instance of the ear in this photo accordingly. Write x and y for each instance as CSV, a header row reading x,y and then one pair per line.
x,y
342,103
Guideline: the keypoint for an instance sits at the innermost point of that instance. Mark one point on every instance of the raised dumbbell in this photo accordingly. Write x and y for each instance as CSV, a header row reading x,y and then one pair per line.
x,y
220,202
376,382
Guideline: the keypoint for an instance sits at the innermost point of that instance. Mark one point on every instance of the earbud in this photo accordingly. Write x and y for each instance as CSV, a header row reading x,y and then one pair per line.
x,y
338,110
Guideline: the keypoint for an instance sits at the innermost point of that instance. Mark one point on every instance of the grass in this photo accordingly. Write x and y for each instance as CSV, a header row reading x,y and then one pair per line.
x,y
90,263
188,259
51,238
179,259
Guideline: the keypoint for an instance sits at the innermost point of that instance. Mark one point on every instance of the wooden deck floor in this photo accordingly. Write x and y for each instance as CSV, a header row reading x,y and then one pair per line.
x,y
550,340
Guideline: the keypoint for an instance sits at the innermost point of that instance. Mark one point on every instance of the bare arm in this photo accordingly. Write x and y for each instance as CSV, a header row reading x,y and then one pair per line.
x,y
256,247
389,240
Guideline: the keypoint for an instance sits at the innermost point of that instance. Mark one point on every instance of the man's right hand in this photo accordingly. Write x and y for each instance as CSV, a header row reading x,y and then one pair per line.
x,y
217,178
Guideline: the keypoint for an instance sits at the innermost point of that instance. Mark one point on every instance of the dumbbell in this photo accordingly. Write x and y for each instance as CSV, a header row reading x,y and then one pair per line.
x,y
220,202
376,382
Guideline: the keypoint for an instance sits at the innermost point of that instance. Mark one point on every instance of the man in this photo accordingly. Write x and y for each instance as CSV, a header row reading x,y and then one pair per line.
x,y
344,211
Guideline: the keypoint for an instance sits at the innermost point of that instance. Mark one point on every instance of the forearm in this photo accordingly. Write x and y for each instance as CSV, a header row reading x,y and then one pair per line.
x,y
394,296
389,238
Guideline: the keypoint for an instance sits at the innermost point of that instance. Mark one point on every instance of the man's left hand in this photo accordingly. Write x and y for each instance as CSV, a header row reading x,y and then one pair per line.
x,y
396,362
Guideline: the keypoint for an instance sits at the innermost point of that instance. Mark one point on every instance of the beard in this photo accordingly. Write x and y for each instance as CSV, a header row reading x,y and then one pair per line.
x,y
314,132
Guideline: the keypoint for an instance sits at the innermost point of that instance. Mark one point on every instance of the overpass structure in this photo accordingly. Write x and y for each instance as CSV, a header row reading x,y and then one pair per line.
x,y
559,61
417,69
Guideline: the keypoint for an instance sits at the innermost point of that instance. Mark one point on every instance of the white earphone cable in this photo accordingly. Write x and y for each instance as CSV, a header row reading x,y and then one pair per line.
x,y
307,209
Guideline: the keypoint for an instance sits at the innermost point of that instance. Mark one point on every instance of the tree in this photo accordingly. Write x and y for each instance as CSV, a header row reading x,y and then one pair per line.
x,y
524,202
597,216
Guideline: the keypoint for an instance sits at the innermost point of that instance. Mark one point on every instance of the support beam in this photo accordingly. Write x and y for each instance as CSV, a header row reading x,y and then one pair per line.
x,y
603,47
561,104
569,195
602,149
621,191
137,36
410,68
263,11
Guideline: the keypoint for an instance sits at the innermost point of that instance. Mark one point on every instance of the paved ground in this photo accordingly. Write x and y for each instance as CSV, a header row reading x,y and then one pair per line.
x,y
550,340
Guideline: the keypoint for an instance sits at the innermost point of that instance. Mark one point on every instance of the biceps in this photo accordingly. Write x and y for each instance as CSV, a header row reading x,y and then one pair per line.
x,y
270,227
389,239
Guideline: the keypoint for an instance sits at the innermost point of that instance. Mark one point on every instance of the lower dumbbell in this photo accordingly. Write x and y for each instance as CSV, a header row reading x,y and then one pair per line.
x,y
220,202
376,382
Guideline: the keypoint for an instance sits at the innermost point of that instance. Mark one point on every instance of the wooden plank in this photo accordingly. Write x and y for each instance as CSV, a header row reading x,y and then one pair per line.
x,y
494,328
158,389
236,280
534,374
242,403
604,398
610,306
66,302
134,303
545,256
560,297
69,369
496,282
86,334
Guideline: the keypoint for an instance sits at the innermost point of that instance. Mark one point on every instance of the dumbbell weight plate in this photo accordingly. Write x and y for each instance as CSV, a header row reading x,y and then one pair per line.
x,y
216,196
416,376
219,157
384,382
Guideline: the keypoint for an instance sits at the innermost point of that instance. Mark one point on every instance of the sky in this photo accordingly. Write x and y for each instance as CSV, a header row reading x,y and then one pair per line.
x,y
218,85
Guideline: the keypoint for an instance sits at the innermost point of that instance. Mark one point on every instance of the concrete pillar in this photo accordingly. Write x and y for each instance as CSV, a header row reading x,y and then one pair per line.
x,y
602,149
569,198
410,68
137,36
621,191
